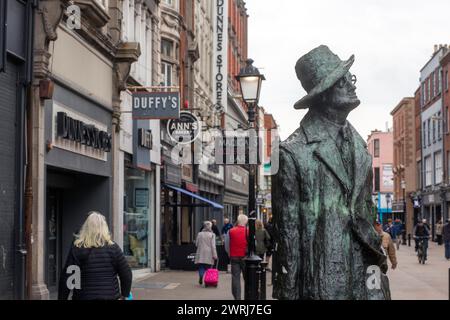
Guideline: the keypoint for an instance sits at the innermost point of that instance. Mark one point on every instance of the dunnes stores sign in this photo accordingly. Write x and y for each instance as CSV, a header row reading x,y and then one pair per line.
x,y
78,131
156,105
220,54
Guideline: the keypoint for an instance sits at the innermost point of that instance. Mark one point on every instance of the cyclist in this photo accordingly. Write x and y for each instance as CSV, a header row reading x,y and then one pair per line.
x,y
422,232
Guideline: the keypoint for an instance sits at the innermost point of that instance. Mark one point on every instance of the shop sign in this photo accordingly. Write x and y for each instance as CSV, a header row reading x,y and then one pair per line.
x,y
145,139
184,130
77,133
142,144
83,133
220,53
156,105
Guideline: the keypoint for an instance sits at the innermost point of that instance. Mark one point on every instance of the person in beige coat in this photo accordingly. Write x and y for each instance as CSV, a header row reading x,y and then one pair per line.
x,y
387,244
206,254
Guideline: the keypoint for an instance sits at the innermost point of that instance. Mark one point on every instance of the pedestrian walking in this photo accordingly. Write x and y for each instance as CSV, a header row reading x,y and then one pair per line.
x,y
227,225
206,254
439,229
269,252
236,246
397,231
262,239
446,238
216,231
101,263
387,245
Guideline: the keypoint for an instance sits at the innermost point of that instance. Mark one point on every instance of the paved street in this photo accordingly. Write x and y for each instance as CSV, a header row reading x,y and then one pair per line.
x,y
183,285
413,281
410,281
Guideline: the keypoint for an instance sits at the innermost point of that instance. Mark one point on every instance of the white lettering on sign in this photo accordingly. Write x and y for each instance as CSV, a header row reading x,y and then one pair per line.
x,y
220,85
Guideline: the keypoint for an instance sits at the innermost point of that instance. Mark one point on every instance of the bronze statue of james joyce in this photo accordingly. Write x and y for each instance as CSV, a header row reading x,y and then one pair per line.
x,y
326,245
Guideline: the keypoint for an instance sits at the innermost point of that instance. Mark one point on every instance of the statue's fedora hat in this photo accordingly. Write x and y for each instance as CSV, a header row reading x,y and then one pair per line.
x,y
318,71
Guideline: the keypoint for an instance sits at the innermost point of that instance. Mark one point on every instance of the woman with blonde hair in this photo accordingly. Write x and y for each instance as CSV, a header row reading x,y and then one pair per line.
x,y
262,239
95,264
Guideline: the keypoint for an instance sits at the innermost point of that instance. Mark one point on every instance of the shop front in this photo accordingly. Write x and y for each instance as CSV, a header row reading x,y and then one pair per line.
x,y
236,192
78,172
139,199
431,210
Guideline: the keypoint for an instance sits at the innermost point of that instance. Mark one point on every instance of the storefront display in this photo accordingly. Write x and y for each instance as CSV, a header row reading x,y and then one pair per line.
x,y
136,217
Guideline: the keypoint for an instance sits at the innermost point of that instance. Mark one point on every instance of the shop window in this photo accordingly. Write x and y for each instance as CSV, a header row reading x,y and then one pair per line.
x,y
438,167
136,217
377,179
376,148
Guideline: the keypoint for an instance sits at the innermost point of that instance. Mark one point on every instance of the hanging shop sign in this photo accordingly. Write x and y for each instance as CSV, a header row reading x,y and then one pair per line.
x,y
156,105
184,130
220,54
142,144
77,133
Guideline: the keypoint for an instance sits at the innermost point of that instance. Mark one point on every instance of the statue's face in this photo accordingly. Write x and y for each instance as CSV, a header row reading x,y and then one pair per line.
x,y
342,95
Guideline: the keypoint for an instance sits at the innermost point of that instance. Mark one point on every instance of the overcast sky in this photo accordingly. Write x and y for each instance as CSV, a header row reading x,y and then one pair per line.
x,y
391,40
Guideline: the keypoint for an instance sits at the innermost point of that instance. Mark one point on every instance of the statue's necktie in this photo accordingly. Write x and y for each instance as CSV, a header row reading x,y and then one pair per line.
x,y
347,150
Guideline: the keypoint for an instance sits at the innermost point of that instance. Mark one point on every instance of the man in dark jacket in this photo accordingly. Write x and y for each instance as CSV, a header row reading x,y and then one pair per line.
x,y
446,237
422,231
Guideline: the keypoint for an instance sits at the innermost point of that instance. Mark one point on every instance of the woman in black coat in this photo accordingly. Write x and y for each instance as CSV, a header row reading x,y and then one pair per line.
x,y
94,265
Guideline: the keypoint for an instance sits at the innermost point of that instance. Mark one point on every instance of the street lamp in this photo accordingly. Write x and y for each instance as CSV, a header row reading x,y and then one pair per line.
x,y
250,81
388,201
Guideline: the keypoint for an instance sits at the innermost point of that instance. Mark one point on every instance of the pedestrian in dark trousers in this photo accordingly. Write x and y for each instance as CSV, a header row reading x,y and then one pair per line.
x,y
439,229
236,247
101,263
206,253
269,228
262,239
446,237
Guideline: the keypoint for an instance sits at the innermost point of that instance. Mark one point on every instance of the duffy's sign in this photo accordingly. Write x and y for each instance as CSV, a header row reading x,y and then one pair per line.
x,y
156,105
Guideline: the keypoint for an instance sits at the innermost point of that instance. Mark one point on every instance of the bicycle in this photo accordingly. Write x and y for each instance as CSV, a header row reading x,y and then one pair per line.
x,y
421,249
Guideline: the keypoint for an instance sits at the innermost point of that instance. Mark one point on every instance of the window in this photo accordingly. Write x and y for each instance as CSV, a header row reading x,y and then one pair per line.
x,y
446,120
166,71
419,175
424,142
439,133
377,179
167,48
432,85
422,96
438,167
434,131
439,81
428,171
376,148
446,79
429,132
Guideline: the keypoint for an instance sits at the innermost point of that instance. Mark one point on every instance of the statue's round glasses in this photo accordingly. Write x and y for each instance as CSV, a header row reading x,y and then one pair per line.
x,y
347,79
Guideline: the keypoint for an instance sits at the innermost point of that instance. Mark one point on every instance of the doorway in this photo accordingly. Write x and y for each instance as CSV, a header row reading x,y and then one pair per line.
x,y
53,237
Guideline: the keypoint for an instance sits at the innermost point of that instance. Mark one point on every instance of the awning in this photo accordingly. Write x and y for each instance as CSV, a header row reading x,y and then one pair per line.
x,y
195,196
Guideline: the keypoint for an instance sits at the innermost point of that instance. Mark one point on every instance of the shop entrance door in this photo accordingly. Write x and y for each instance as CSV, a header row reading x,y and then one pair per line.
x,y
53,255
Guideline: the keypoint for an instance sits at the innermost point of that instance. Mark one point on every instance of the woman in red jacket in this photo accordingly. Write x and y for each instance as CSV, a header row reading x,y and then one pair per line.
x,y
238,252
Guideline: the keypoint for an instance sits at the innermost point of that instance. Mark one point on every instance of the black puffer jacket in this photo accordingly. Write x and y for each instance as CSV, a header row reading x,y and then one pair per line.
x,y
100,270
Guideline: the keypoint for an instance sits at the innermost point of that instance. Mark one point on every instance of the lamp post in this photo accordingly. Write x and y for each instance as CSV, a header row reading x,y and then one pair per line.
x,y
388,201
250,81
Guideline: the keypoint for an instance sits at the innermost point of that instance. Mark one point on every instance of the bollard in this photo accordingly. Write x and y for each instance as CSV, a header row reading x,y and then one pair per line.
x,y
404,238
262,281
409,239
